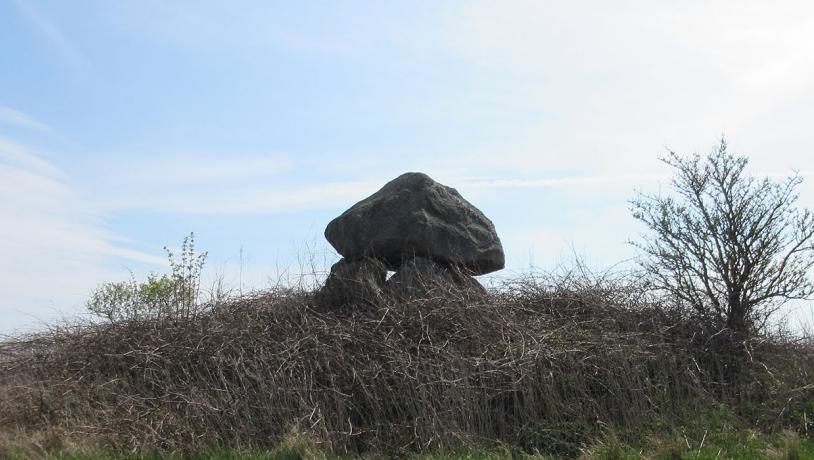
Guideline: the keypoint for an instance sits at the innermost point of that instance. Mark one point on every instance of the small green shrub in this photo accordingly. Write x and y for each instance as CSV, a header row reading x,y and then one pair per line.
x,y
167,295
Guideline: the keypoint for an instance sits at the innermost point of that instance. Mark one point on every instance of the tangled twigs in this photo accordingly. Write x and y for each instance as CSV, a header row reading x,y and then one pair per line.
x,y
537,363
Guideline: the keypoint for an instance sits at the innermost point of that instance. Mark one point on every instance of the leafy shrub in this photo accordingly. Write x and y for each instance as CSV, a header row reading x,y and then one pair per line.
x,y
166,295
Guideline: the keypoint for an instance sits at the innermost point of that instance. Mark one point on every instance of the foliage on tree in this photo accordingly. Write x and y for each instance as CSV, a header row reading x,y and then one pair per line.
x,y
730,246
167,295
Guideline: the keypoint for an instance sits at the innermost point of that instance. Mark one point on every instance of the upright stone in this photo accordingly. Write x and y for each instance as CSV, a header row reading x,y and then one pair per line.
x,y
357,282
415,216
421,278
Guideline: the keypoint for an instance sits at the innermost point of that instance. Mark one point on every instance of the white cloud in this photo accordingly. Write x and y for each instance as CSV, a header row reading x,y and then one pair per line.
x,y
207,183
761,48
55,248
239,199
601,87
17,156
197,169
13,117
560,182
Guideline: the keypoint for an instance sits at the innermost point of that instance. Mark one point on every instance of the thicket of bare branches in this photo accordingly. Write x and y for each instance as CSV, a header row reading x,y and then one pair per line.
x,y
541,363
730,246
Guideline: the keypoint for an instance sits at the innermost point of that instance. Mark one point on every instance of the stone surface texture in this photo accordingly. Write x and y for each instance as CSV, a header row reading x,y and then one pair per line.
x,y
415,216
420,277
353,283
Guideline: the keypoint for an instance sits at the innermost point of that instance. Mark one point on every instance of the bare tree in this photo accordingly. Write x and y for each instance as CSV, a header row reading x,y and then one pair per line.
x,y
732,247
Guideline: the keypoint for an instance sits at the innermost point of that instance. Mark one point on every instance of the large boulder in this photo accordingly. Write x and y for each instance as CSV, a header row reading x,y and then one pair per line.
x,y
414,216
357,282
423,278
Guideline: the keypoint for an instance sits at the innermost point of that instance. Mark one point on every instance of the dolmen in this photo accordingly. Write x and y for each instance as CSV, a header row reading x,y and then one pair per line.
x,y
427,233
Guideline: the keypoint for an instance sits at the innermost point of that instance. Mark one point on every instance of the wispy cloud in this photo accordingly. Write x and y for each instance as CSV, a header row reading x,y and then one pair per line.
x,y
45,210
202,169
560,182
55,247
207,183
17,156
49,30
258,199
16,118
589,181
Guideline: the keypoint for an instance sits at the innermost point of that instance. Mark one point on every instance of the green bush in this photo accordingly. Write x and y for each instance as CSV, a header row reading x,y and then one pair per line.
x,y
166,295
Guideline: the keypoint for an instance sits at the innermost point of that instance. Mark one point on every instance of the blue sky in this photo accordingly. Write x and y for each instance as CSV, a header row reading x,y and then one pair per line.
x,y
125,125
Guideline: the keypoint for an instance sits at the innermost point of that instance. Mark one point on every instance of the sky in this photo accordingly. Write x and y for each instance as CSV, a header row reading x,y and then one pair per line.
x,y
126,125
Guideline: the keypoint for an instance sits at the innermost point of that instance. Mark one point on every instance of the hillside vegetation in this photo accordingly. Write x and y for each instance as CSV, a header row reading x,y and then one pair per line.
x,y
546,364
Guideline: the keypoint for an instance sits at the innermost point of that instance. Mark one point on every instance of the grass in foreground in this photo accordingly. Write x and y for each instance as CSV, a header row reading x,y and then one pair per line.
x,y
743,445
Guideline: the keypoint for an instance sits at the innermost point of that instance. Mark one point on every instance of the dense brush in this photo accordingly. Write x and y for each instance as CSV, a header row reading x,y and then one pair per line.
x,y
542,364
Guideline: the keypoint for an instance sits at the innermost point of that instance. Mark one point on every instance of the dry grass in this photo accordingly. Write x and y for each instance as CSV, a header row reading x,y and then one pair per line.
x,y
541,364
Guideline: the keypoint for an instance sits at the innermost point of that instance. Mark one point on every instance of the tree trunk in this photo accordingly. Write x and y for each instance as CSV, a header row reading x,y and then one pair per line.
x,y
736,321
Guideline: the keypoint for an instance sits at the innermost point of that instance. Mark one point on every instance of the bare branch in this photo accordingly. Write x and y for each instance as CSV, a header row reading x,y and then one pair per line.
x,y
729,246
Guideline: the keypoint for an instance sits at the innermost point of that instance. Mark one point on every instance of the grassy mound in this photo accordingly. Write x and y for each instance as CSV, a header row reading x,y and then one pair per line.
x,y
541,365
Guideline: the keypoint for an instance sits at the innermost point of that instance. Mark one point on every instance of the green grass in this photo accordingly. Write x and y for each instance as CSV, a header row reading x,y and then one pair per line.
x,y
739,445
